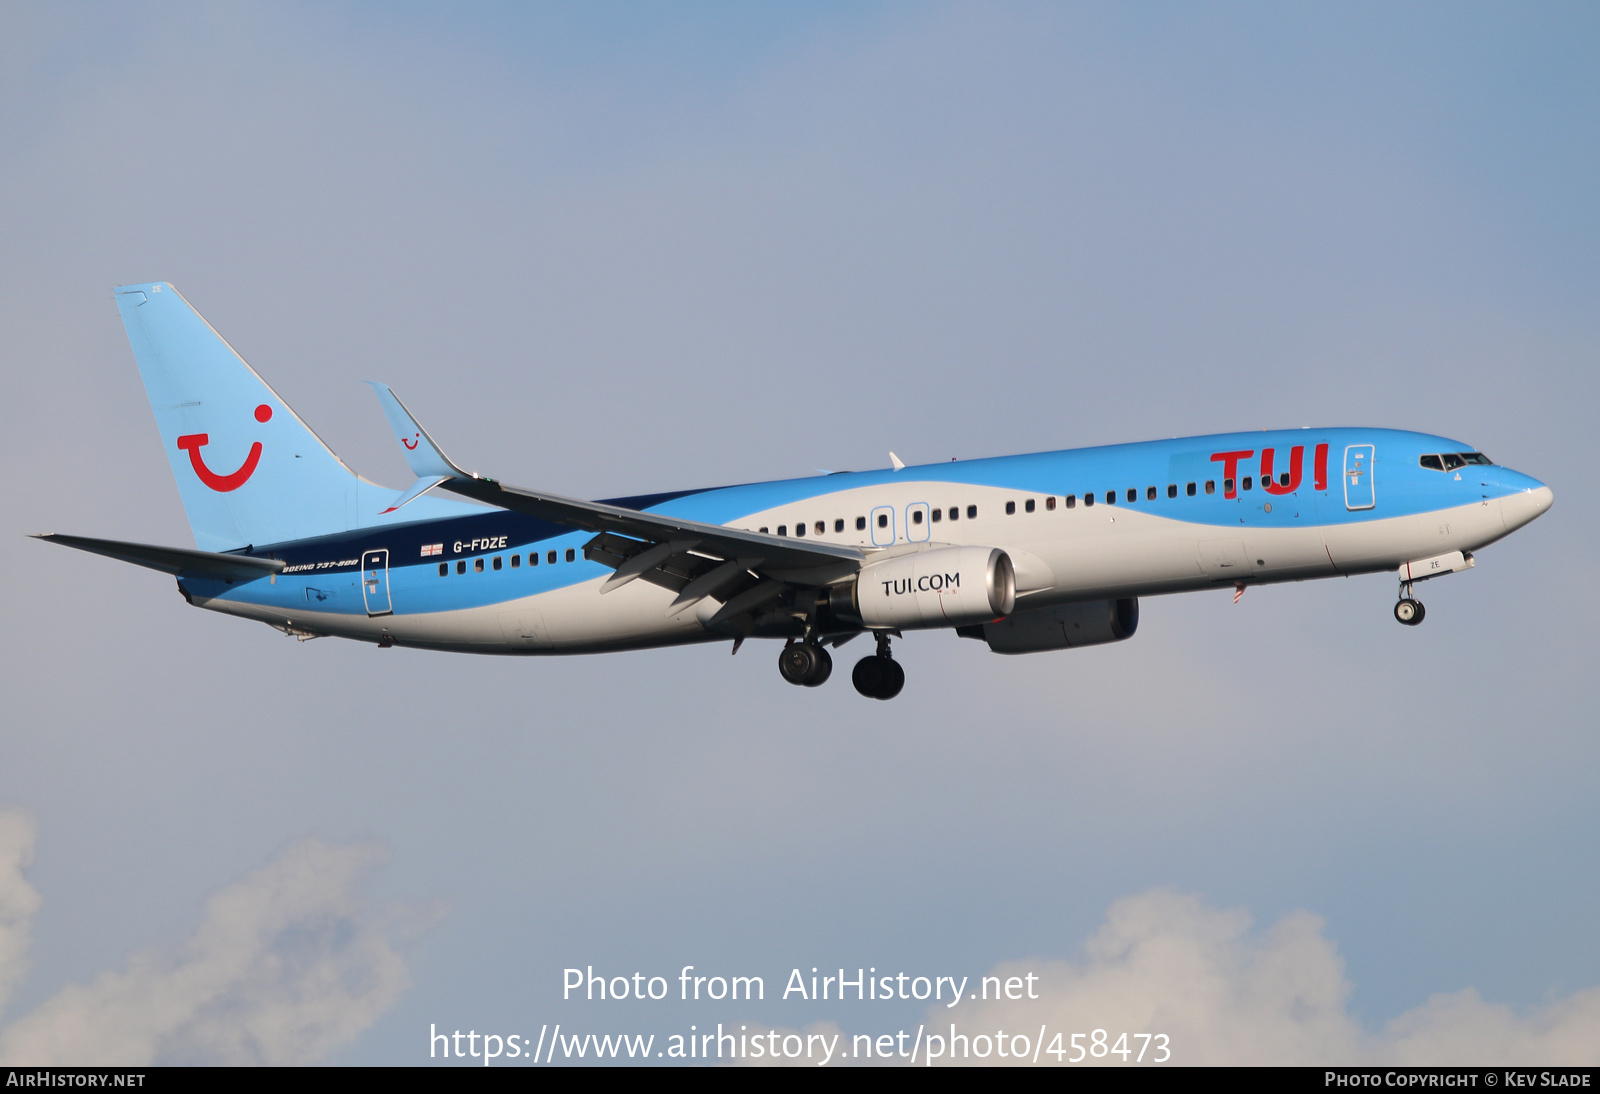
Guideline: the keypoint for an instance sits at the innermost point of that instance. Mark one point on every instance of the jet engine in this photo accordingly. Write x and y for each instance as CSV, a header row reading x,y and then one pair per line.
x,y
1061,627
941,587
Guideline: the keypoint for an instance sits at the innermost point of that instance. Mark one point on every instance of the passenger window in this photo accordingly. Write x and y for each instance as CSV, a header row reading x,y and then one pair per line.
x,y
1283,479
1133,494
1111,497
916,516
444,568
497,563
1227,486
1432,463
972,512
883,521
1050,503
783,529
533,558
1453,461
822,526
516,561
800,528
955,512
1211,486
1172,489
763,529
838,525
550,558
461,567
1248,482
938,515
1011,508
861,524
1028,505
1150,494
477,565
1088,500
1070,501
572,554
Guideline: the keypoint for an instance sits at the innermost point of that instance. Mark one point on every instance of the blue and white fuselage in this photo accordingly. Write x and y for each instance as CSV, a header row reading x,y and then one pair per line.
x,y
1031,552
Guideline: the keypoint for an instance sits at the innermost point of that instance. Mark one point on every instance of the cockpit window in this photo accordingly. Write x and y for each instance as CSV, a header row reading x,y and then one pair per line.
x,y
1449,461
1452,461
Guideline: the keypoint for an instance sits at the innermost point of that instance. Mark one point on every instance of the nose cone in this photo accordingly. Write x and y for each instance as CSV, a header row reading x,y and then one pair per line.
x,y
1522,498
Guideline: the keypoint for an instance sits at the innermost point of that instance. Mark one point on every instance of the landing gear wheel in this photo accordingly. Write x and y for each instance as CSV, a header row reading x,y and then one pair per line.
x,y
870,675
894,680
879,676
1409,611
805,664
824,669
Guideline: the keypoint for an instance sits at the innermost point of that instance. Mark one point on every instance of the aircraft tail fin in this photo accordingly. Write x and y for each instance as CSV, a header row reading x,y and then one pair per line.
x,y
248,469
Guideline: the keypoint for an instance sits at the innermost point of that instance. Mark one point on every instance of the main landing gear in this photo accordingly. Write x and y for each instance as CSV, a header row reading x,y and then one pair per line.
x,y
808,664
1409,610
805,663
880,675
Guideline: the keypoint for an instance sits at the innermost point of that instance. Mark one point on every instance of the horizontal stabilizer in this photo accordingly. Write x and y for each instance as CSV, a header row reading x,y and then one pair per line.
x,y
178,561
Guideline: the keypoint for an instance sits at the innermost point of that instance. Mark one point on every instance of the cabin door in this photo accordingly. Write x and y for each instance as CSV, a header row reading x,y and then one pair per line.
x,y
375,582
1358,488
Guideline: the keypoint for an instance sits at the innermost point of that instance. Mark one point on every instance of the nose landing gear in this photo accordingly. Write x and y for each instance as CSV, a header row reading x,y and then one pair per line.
x,y
805,663
1409,610
880,675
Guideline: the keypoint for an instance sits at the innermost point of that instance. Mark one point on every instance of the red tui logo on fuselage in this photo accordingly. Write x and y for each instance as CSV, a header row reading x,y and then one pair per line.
x,y
1287,483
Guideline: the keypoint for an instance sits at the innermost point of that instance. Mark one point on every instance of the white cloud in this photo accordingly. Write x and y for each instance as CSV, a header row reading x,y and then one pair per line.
x,y
18,899
1167,963
285,967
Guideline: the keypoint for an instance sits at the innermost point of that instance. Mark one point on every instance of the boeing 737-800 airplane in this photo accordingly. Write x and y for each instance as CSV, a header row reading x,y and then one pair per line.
x,y
1037,552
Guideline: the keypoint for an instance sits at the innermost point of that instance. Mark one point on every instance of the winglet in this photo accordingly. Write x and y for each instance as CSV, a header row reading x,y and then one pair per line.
x,y
899,464
423,454
418,488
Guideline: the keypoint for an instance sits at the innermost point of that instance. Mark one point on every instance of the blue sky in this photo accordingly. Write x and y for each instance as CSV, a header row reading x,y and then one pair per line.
x,y
616,249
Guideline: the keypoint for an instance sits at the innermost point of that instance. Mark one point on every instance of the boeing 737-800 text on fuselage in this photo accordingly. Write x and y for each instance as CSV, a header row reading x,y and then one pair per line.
x,y
1027,553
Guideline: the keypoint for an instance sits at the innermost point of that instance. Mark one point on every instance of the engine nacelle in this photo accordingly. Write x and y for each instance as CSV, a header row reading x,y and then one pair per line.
x,y
1061,627
942,587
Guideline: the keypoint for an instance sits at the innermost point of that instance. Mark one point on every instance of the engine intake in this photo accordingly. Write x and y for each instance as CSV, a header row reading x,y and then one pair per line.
x,y
942,587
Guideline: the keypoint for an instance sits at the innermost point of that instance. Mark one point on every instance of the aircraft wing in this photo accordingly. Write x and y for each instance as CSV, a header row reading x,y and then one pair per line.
x,y
178,561
695,559
593,516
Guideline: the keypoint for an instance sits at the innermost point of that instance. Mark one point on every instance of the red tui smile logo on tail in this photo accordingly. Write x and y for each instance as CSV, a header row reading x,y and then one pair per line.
x,y
194,442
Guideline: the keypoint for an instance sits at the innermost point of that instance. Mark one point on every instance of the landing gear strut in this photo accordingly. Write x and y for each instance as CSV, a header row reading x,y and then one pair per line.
x,y
805,663
1409,610
879,676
